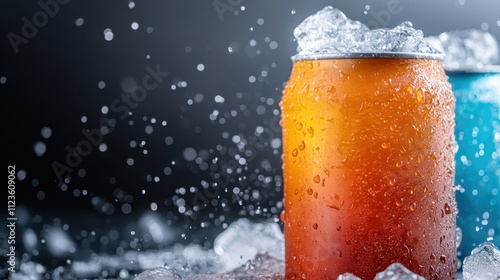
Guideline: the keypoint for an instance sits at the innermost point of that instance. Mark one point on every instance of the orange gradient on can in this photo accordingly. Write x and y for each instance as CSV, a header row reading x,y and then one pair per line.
x,y
368,164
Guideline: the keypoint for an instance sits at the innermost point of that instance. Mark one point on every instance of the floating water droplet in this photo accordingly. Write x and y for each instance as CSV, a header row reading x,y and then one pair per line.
x,y
79,22
309,191
108,34
295,152
40,148
46,132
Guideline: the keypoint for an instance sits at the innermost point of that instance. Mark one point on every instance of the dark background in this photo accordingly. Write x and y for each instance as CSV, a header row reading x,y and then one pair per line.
x,y
53,81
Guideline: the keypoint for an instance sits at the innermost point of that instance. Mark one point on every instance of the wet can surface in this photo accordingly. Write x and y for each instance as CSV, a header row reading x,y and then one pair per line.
x,y
478,157
368,162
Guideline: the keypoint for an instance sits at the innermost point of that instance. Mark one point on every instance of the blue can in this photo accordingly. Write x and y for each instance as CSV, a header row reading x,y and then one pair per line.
x,y
477,159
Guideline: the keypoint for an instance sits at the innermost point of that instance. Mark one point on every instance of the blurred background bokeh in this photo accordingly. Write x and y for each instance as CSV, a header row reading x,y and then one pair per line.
x,y
194,152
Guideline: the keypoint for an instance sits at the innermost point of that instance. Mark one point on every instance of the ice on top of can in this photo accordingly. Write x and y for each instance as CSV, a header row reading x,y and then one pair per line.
x,y
329,31
468,49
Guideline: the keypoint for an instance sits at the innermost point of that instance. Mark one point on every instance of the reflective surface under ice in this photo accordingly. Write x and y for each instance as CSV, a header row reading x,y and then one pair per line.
x,y
251,250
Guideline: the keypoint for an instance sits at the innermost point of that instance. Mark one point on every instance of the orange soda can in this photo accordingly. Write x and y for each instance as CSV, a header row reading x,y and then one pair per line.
x,y
368,166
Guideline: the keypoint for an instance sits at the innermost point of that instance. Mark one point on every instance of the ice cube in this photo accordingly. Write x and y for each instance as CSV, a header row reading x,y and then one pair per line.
x,y
483,263
348,276
466,49
263,267
329,31
397,271
243,240
158,274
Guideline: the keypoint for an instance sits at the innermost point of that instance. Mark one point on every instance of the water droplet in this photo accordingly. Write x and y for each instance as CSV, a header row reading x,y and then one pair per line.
x,y
79,22
447,208
339,228
432,257
304,275
302,145
317,179
332,89
420,96
409,89
399,202
425,189
309,191
392,182
310,130
442,259
327,172
413,206
295,152
40,148
108,34
385,145
316,195
299,125
315,226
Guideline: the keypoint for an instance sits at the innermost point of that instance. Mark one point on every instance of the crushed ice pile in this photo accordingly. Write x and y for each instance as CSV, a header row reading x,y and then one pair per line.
x,y
395,271
329,31
466,49
245,250
484,263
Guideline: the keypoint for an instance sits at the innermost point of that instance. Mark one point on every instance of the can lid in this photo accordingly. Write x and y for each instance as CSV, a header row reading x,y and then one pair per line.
x,y
483,70
320,56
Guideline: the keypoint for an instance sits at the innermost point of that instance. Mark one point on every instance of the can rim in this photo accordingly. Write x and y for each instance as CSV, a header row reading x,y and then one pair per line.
x,y
483,70
321,56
